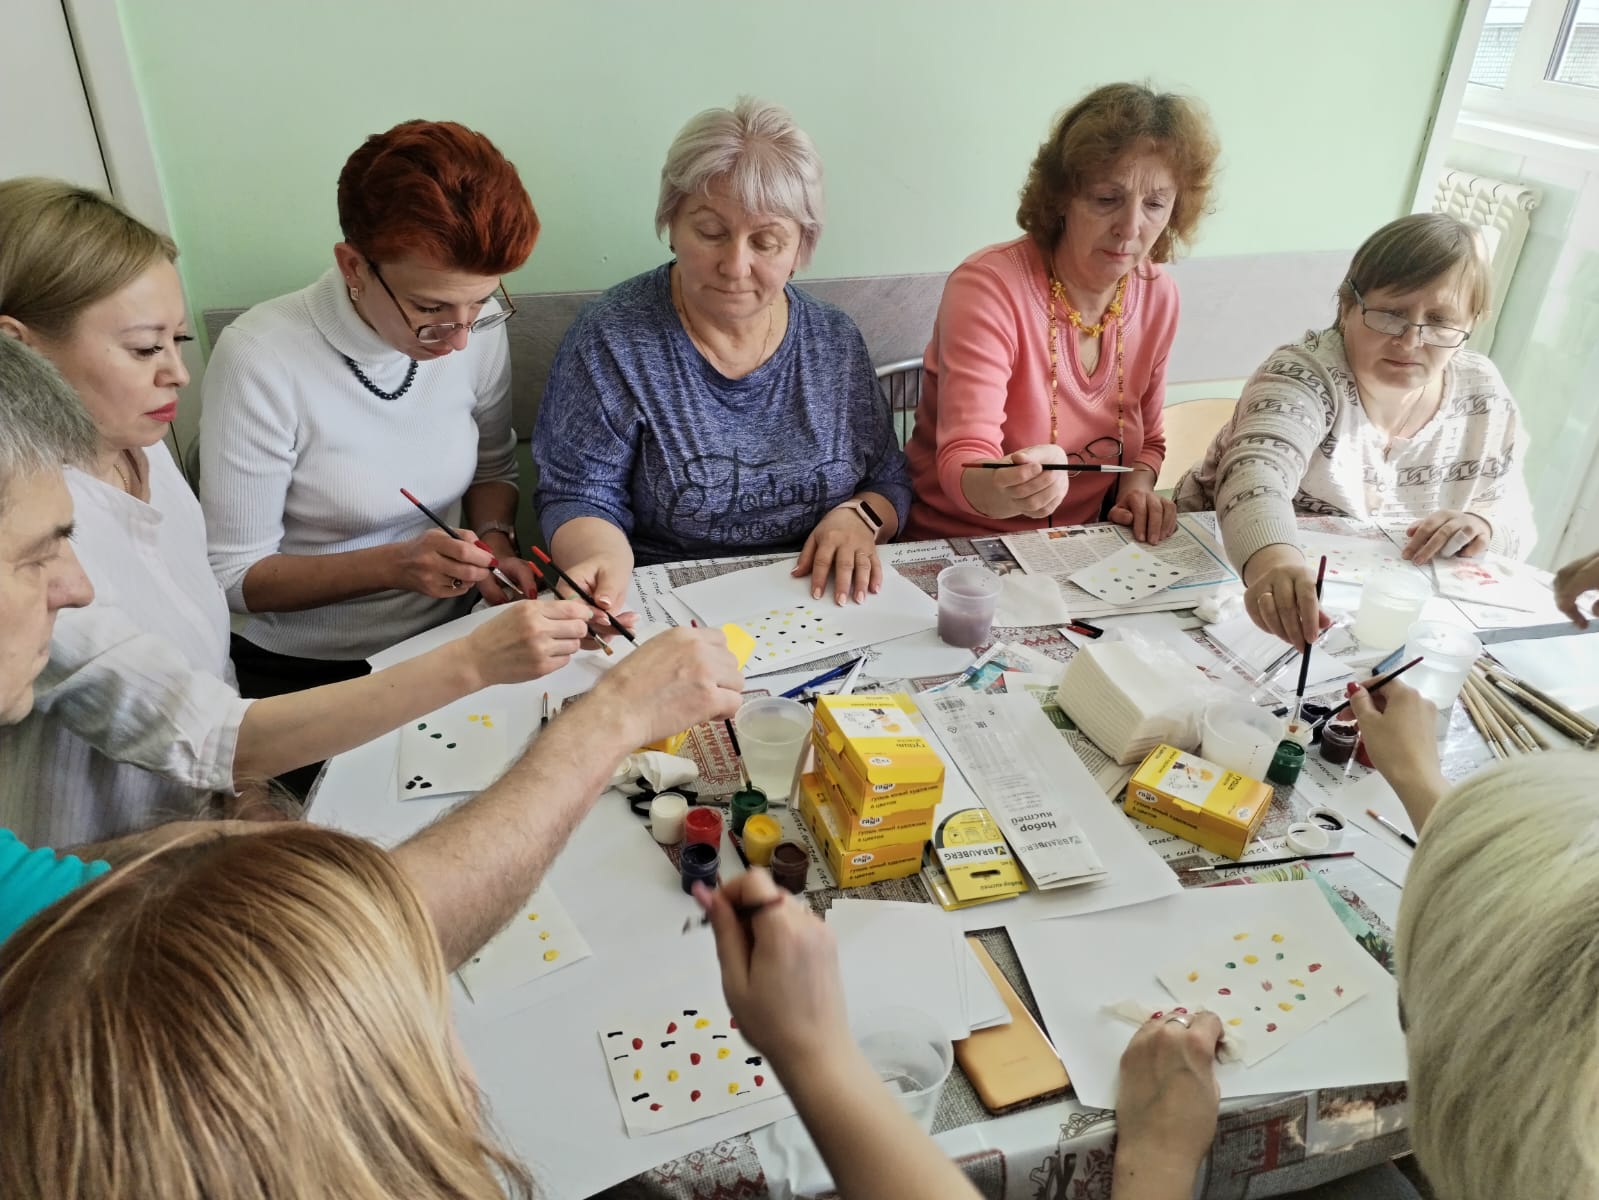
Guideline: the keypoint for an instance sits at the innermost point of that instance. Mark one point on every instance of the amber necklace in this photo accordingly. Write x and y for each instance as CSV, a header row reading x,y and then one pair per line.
x,y
1113,316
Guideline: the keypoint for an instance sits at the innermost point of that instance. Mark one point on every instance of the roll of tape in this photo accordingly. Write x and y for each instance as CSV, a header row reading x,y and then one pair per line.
x,y
1305,838
1329,822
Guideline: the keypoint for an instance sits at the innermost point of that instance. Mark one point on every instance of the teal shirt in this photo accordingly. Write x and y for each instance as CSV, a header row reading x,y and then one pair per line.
x,y
31,880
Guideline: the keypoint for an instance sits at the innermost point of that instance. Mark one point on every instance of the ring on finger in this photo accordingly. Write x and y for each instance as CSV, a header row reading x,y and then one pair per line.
x,y
1180,1019
455,584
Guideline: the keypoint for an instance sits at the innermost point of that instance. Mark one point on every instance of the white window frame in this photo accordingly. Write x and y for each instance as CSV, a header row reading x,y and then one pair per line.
x,y
1527,97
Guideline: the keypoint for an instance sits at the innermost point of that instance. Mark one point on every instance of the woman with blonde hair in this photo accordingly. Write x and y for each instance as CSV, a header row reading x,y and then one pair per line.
x,y
1385,417
137,716
1050,349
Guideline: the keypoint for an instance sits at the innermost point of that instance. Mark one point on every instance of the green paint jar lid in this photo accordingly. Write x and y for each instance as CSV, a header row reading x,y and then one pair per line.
x,y
745,805
1287,763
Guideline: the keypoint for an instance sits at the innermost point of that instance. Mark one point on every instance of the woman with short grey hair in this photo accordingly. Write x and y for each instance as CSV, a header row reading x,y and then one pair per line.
x,y
708,406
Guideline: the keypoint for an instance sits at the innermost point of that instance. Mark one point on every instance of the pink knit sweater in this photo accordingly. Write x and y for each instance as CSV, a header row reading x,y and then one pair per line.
x,y
986,390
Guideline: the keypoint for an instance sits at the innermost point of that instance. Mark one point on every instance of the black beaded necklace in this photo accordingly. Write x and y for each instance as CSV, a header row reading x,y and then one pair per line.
x,y
410,377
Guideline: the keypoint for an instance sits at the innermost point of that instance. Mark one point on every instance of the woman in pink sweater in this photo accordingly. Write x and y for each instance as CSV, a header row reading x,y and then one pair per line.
x,y
1052,348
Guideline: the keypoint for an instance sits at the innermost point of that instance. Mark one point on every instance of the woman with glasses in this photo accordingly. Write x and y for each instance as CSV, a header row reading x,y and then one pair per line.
x,y
1383,417
1051,349
388,372
710,407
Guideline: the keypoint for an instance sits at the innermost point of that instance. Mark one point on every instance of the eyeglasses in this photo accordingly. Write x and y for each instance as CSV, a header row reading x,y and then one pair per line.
x,y
1444,336
429,334
1099,450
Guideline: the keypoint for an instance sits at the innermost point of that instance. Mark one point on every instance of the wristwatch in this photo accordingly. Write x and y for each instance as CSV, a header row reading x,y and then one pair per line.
x,y
505,527
866,513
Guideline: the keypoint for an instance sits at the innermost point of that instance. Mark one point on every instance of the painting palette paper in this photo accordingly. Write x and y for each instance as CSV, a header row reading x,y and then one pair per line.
x,y
1349,559
450,751
540,940
1132,574
682,1066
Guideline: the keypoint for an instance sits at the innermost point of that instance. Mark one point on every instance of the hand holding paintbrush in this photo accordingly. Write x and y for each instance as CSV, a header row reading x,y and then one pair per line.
x,y
1304,663
500,577
581,594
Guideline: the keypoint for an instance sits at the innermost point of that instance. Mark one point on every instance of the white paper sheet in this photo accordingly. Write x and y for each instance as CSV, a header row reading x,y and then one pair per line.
x,y
1026,601
1353,799
460,748
541,939
1349,559
1258,649
1494,580
898,953
748,598
1077,966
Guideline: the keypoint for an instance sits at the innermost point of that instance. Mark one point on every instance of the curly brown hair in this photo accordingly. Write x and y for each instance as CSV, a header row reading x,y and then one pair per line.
x,y
1099,129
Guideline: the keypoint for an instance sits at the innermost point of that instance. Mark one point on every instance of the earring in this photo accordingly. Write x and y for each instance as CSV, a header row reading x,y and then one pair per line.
x,y
355,295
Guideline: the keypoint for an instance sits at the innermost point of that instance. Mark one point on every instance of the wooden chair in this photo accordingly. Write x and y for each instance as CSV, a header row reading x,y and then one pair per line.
x,y
1190,428
902,388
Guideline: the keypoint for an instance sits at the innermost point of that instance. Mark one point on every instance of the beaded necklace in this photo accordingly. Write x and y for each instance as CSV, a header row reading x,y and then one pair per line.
x,y
1113,316
410,376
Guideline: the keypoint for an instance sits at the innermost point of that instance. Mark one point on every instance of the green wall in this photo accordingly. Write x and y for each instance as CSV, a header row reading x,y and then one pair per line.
x,y
926,113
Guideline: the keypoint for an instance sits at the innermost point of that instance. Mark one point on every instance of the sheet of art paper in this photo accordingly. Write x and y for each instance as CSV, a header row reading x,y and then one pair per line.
x,y
540,940
1494,580
1131,574
682,1066
1349,559
1268,981
450,751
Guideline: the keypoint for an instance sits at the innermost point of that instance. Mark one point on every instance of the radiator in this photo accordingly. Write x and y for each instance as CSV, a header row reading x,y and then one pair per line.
x,y
1503,212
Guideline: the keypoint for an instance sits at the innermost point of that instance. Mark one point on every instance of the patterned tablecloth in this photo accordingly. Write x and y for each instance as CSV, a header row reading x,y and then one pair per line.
x,y
1058,1149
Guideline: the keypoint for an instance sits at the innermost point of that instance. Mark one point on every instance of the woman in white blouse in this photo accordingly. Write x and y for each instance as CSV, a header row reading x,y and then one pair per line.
x,y
391,371
137,714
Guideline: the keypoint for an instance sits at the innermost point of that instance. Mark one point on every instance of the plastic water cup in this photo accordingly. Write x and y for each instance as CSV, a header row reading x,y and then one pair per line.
x,y
1391,601
911,1055
1447,651
967,598
1238,736
772,733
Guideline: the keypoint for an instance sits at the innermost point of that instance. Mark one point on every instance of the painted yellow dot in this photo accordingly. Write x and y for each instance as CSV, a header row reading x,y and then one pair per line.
x,y
702,1023
723,1052
1276,937
1238,937
1193,975
544,936
637,1075
1297,982
1236,1021
551,955
671,1077
488,723
532,916
1285,1006
473,717
1250,958
732,1089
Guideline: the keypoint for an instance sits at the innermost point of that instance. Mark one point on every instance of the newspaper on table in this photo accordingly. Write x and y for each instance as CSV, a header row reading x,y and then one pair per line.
x,y
1060,553
994,743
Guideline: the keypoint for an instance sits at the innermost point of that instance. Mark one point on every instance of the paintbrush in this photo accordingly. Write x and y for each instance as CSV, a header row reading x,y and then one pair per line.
x,y
738,755
585,597
746,912
1304,663
1391,827
1106,468
1385,680
500,577
1269,862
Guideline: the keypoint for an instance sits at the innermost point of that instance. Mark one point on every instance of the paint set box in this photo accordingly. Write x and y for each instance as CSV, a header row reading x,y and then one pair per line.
x,y
822,814
1197,800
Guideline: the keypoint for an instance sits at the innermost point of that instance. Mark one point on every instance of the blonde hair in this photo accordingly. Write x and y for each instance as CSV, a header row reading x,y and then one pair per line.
x,y
769,163
1413,252
1498,968
258,1017
62,248
1093,134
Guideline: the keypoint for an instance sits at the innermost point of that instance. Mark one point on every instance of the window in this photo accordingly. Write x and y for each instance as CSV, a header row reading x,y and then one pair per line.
x,y
1538,61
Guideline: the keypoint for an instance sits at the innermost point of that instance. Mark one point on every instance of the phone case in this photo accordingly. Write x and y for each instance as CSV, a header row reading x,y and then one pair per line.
x,y
1009,1065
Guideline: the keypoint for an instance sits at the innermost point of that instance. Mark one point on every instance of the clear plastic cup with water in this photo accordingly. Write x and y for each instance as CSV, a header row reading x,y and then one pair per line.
x,y
1391,601
911,1055
772,734
1239,736
1447,651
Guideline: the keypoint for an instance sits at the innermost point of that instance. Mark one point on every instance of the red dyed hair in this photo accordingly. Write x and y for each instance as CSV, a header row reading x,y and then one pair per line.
x,y
439,191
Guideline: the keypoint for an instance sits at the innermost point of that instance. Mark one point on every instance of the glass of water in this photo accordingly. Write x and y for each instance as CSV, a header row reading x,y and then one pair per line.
x,y
772,733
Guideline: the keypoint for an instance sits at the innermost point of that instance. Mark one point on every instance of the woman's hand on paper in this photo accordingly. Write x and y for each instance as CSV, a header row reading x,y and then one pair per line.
x,y
527,639
1447,533
1151,518
1399,726
1166,1105
779,970
1280,595
844,546
1571,582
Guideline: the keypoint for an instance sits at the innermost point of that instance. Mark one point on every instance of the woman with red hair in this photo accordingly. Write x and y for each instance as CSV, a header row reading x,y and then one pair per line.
x,y
389,371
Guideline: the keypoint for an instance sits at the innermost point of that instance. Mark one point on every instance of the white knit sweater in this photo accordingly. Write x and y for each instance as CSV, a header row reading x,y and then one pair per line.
x,y
1300,442
298,458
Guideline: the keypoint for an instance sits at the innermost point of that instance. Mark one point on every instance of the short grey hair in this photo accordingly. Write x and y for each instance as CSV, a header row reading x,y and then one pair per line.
x,y
769,163
1498,968
43,424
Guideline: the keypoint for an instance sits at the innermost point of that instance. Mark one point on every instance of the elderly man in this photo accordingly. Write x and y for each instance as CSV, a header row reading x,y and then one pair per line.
x,y
474,865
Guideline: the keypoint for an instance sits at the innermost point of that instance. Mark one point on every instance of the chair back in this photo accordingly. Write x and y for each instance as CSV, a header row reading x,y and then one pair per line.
x,y
902,388
1190,428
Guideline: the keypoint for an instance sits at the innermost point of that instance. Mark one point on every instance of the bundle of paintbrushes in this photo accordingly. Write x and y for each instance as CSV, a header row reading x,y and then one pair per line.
x,y
1495,700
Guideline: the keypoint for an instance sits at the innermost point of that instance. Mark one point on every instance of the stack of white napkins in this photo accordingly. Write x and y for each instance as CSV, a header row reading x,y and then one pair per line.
x,y
1123,702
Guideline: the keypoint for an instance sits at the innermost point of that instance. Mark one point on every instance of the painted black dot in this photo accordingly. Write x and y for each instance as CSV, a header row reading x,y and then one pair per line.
x,y
449,745
436,736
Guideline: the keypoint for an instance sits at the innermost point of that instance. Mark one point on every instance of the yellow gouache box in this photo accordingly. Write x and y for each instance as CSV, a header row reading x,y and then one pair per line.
x,y
869,746
863,833
1197,800
852,868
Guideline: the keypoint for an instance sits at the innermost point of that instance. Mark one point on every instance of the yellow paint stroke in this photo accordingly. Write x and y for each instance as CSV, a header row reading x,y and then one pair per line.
x,y
544,936
1238,937
551,955
671,1077
1236,1021
1193,975
1285,1006
1251,959
637,1075
532,916
1297,982
732,1089
723,1052
702,1023
1276,937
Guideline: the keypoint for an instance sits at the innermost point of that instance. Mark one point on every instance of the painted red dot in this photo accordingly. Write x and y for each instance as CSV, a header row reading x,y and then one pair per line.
x,y
1270,1027
1224,991
1338,991
760,1080
671,1027
655,1108
1265,985
694,1058
638,1043
1315,966
694,1095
